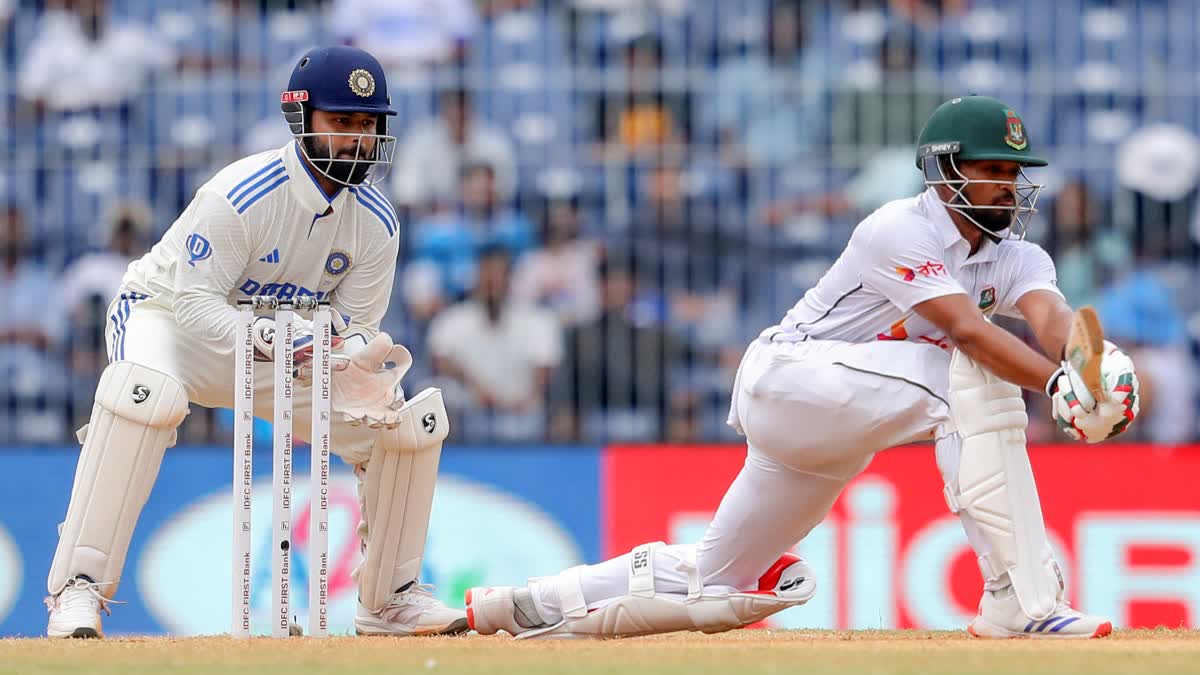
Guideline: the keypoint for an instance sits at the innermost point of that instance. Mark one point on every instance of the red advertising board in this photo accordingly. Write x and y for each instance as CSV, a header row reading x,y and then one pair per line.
x,y
1123,519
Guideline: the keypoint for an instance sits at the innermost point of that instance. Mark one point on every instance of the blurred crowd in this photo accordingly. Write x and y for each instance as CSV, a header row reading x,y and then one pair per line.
x,y
604,200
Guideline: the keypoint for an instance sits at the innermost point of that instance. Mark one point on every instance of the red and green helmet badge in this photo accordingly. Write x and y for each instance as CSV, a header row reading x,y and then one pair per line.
x,y
1015,138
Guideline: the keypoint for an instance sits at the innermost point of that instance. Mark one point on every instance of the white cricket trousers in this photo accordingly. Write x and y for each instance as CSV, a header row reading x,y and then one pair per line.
x,y
144,331
814,413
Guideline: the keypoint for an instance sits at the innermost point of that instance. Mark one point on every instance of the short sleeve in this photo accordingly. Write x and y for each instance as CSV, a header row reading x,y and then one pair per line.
x,y
543,339
906,265
1029,269
442,331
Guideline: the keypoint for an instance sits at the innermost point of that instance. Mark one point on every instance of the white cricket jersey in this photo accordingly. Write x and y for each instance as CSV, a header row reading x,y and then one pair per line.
x,y
907,252
263,226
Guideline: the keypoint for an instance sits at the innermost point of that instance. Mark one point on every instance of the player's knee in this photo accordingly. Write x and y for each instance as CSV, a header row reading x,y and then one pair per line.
x,y
142,395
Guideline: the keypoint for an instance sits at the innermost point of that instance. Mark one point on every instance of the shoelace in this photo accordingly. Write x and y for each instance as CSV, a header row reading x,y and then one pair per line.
x,y
417,595
87,594
1064,609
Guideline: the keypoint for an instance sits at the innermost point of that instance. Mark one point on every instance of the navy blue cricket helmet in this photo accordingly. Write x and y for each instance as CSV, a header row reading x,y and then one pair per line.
x,y
340,79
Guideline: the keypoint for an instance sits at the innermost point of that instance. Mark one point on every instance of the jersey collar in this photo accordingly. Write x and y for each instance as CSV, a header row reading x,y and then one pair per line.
x,y
306,188
951,237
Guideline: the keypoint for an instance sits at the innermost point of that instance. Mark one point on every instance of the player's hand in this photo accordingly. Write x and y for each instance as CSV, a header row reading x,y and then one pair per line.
x,y
1104,419
366,384
302,343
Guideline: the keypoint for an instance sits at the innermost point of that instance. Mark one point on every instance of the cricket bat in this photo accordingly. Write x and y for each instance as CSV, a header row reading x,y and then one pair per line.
x,y
1085,348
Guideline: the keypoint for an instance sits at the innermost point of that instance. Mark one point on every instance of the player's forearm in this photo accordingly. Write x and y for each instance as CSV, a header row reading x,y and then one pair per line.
x,y
205,316
1049,317
1005,355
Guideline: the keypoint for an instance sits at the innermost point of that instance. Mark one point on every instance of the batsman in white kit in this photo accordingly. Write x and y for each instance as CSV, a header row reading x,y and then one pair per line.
x,y
305,220
892,346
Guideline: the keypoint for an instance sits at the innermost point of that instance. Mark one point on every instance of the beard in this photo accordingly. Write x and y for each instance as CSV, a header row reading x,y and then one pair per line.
x,y
995,220
343,170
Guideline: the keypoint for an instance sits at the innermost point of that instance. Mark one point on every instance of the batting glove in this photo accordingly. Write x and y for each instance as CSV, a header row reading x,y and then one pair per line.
x,y
1085,419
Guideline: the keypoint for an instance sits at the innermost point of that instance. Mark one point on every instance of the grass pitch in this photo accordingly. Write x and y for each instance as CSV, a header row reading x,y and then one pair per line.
x,y
1159,652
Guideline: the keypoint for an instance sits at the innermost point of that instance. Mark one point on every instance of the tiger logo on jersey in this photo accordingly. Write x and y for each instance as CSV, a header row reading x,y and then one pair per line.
x,y
987,300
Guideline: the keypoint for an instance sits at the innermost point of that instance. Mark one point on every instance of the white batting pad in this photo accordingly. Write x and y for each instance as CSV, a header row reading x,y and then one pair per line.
x,y
995,487
645,611
397,495
133,422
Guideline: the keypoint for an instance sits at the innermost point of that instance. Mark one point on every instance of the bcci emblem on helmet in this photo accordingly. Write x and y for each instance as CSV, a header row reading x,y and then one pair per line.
x,y
362,83
1016,131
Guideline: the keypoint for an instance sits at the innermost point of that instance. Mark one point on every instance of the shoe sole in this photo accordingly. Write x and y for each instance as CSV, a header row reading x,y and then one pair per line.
x,y
457,627
1102,631
83,633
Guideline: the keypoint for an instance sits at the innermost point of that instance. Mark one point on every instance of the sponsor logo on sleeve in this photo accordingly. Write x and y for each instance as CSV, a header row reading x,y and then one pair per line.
x,y
198,249
931,269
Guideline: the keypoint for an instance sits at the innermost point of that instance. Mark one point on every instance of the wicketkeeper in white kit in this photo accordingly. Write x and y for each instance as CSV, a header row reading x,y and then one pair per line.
x,y
303,220
892,346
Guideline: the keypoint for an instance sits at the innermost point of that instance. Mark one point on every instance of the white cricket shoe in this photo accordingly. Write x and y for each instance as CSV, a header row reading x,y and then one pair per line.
x,y
411,611
1000,616
75,612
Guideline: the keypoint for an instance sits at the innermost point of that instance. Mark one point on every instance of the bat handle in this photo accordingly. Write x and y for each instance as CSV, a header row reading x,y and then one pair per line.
x,y
1086,398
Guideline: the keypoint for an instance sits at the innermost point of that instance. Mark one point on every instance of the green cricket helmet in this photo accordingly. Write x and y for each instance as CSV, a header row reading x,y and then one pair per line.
x,y
979,128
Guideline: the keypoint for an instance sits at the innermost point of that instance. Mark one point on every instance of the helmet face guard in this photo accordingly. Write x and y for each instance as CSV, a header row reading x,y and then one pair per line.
x,y
365,168
941,169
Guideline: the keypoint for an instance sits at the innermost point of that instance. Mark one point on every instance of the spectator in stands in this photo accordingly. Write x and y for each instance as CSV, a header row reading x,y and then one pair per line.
x,y
87,287
689,264
501,353
885,105
446,245
406,33
1086,251
877,117
928,13
767,108
432,153
32,379
561,276
82,57
1139,314
643,116
98,273
613,382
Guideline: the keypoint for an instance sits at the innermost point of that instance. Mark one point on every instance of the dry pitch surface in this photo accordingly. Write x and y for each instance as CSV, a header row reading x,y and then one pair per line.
x,y
1157,652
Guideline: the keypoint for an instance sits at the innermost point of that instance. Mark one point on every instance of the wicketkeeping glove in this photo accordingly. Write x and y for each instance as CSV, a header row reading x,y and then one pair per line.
x,y
366,384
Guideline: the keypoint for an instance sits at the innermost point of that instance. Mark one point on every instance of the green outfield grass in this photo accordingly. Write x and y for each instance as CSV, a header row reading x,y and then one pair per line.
x,y
806,652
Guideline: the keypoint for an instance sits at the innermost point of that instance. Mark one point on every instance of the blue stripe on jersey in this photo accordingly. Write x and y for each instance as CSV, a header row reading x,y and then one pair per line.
x,y
250,202
383,200
378,214
370,203
119,318
256,174
268,177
